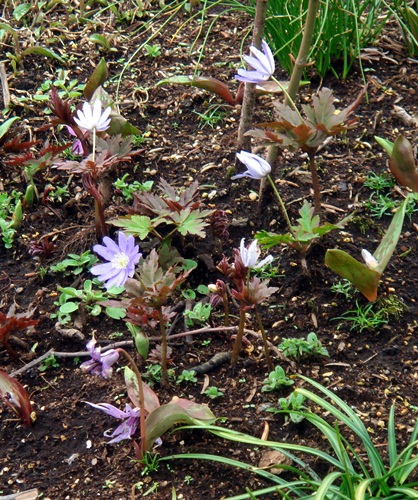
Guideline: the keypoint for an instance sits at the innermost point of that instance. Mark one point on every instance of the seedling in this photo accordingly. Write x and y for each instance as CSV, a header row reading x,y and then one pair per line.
x,y
302,348
276,380
75,264
187,376
48,363
128,190
213,392
152,50
211,117
343,287
198,315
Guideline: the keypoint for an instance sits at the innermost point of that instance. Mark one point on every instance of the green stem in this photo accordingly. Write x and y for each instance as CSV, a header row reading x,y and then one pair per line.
x,y
94,145
289,101
315,184
142,428
238,341
263,334
164,371
282,206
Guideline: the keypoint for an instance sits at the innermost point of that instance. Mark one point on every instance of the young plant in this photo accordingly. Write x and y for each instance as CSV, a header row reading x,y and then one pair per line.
x,y
298,349
187,376
249,292
75,264
15,397
198,315
128,190
213,392
303,235
276,380
164,215
48,363
292,131
292,407
366,277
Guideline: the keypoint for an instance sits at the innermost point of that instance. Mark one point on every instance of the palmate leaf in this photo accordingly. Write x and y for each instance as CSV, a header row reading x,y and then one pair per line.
x,y
136,225
191,222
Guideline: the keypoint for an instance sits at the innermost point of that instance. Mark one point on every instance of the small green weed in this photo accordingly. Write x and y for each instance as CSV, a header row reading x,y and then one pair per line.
x,y
48,363
75,264
187,376
213,392
302,348
345,288
276,380
128,190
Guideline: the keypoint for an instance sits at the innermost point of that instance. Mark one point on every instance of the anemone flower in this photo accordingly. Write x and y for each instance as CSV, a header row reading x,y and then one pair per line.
x,y
262,63
257,167
250,255
99,364
92,118
122,259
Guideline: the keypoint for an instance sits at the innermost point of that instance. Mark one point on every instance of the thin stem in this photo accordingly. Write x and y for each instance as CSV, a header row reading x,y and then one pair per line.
x,y
238,341
289,101
226,308
282,206
315,183
263,334
94,145
141,399
164,371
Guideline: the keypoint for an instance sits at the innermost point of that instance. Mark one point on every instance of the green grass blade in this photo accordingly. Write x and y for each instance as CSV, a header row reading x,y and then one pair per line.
x,y
324,488
393,455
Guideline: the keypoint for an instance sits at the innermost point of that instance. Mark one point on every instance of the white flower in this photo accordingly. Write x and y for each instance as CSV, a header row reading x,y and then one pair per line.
x,y
261,61
92,118
370,261
257,167
250,255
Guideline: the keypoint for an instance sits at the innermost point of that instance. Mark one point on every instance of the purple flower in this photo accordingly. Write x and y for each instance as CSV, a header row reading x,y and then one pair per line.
x,y
77,146
99,364
92,118
250,255
122,259
257,167
261,61
129,425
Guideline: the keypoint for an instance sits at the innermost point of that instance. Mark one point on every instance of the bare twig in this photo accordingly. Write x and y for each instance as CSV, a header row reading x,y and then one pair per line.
x,y
4,86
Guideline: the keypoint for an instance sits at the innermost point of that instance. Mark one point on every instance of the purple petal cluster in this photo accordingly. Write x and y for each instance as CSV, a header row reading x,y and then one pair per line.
x,y
262,63
257,167
122,259
129,425
100,364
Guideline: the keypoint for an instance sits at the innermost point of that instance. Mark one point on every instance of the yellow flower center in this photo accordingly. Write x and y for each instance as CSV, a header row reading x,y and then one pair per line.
x,y
120,261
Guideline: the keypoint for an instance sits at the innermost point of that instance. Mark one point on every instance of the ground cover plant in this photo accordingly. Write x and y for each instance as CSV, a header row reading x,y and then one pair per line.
x,y
168,329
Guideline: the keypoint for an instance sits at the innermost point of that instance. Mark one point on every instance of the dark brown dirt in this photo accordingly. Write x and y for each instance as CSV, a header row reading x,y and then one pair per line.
x,y
64,454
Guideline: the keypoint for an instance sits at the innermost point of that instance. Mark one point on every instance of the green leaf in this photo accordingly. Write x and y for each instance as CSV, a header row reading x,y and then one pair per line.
x,y
120,125
136,225
21,11
43,51
100,40
386,145
364,279
115,312
95,310
402,164
98,77
389,241
141,340
17,216
69,307
190,222
4,127
151,401
177,411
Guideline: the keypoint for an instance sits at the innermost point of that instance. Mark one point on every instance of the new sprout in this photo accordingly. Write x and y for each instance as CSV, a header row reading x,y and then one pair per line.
x,y
122,259
262,63
257,167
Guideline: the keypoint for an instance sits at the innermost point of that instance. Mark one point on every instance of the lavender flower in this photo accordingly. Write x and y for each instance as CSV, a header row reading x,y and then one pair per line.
x,y
257,167
370,261
250,255
129,425
99,364
77,147
92,118
261,61
122,258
